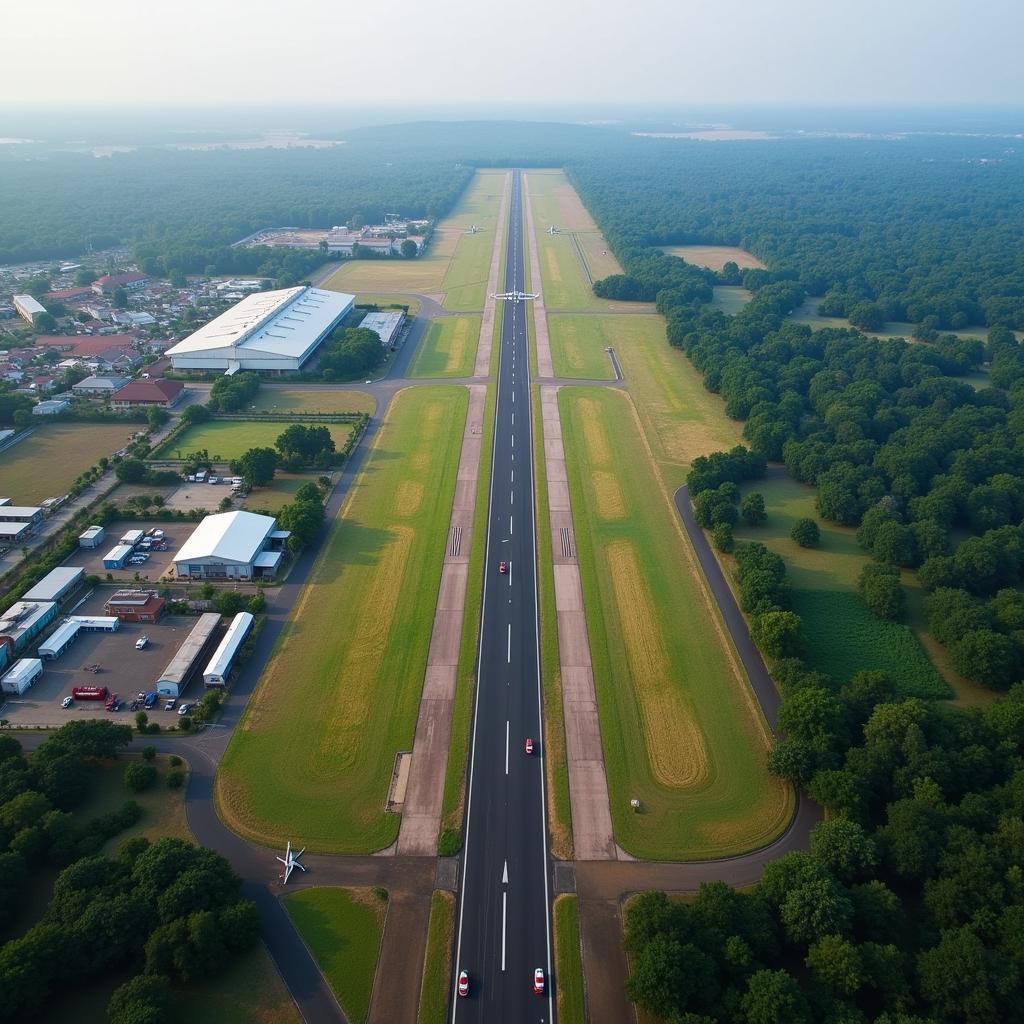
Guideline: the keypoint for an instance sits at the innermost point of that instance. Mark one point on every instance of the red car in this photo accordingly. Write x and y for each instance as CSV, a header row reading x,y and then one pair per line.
x,y
538,981
463,983
529,745
503,567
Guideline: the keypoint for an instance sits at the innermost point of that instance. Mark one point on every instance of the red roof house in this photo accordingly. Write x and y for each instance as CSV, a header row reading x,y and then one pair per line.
x,y
144,392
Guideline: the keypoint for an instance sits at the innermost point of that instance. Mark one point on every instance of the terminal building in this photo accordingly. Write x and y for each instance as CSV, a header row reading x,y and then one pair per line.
x,y
273,331
232,545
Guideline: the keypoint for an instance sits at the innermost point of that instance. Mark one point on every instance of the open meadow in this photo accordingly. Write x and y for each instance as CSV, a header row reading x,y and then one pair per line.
x,y
680,727
280,492
456,262
343,929
46,463
579,343
842,636
340,695
448,349
228,439
715,257
299,400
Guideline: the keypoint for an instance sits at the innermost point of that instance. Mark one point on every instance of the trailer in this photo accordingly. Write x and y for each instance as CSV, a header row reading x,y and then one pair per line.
x,y
132,537
89,692
22,675
115,557
92,537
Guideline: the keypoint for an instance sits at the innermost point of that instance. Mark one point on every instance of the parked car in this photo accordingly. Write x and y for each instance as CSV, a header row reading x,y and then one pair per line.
x,y
140,644
67,702
170,705
184,709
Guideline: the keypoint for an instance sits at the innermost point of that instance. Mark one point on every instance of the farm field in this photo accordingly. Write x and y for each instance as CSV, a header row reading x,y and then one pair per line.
x,y
680,727
714,257
228,439
842,636
568,960
343,929
46,463
578,344
371,595
730,298
437,964
312,400
577,253
456,262
448,349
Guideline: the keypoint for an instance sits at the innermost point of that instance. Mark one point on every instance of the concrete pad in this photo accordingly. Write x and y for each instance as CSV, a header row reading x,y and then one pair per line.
x,y
568,589
558,495
583,739
452,592
439,683
577,684
591,815
573,642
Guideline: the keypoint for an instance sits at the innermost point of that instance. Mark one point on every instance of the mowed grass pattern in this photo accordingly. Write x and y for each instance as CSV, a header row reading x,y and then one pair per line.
x,y
448,348
579,343
343,929
679,724
228,439
45,464
842,636
312,400
340,696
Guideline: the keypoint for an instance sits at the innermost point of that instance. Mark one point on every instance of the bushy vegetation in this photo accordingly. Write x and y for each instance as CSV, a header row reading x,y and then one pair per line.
x,y
350,352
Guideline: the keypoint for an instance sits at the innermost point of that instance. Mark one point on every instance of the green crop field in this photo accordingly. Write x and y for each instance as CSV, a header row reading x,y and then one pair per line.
x,y
340,696
437,964
842,636
569,961
343,929
578,344
46,463
448,349
680,726
298,399
228,439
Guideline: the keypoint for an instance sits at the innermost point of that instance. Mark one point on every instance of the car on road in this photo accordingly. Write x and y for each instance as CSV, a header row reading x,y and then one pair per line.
x,y
538,981
184,709
528,746
67,702
463,983
140,644
169,706
503,567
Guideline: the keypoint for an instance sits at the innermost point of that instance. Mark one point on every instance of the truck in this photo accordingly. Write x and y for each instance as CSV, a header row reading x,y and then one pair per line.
x,y
89,692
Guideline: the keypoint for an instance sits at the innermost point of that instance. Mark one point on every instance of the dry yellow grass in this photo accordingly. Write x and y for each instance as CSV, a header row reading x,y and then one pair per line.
x,y
596,440
610,503
715,257
408,498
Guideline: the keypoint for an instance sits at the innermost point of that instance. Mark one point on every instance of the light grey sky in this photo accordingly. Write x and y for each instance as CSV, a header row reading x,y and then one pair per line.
x,y
821,52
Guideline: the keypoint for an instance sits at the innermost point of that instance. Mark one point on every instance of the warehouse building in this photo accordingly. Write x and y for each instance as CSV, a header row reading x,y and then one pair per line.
x,y
216,672
387,326
56,585
92,537
116,556
28,308
176,676
59,640
14,534
232,545
31,514
135,605
274,331
25,620
22,675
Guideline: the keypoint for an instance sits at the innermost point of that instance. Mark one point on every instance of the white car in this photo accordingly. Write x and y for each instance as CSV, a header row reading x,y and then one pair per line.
x,y
170,705
140,644
184,709
67,702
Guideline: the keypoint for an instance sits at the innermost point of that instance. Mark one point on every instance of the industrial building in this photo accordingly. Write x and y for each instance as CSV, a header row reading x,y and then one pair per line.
x,y
135,605
22,675
232,545
31,514
216,672
25,620
67,632
387,326
175,677
109,282
92,537
116,556
132,537
28,308
274,331
13,534
56,585
51,407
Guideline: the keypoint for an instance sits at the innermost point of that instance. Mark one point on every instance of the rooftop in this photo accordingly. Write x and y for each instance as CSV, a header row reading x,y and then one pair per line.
x,y
230,536
160,390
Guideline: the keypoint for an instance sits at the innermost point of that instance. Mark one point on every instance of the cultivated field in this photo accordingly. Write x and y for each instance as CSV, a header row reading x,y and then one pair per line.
x,y
340,696
715,257
46,463
679,724
456,263
228,439
842,636
312,400
343,929
448,349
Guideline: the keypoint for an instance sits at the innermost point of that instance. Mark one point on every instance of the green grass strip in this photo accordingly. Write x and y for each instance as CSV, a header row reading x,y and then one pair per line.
x,y
569,961
437,965
449,348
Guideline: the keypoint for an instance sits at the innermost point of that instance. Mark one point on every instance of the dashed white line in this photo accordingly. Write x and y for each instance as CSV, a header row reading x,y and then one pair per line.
x,y
506,745
508,657
504,904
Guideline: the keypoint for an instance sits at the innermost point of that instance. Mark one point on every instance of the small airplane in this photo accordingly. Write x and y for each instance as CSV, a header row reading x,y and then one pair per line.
x,y
515,296
291,862
552,230
473,229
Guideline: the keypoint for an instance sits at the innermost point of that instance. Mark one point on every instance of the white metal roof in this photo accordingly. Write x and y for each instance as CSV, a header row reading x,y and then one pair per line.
x,y
29,304
287,322
20,511
118,551
54,583
227,537
383,325
229,645
22,668
267,559
190,649
60,637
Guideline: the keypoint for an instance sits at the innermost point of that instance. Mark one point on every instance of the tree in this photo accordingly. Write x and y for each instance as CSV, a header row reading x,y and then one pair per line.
x,y
409,248
879,587
149,753
44,321
777,634
197,413
806,533
774,997
257,466
143,1000
139,776
752,509
844,848
722,537
816,908
230,602
836,961
303,445
156,417
119,298
989,657
131,471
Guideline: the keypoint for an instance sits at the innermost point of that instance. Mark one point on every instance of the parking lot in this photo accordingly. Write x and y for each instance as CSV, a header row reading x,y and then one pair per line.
x,y
187,497
122,669
158,565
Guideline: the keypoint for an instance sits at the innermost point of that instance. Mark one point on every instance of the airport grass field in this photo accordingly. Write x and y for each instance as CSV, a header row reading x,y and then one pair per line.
x,y
842,637
680,726
579,343
280,492
437,966
343,929
448,349
46,463
312,400
228,439
340,695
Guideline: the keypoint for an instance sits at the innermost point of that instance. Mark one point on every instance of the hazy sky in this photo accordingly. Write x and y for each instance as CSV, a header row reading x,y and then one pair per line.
x,y
690,51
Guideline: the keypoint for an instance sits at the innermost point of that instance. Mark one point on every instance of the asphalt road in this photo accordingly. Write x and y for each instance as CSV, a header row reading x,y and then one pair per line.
x,y
504,928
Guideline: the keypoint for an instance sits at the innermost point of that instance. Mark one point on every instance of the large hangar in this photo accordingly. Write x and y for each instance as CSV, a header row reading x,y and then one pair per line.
x,y
273,331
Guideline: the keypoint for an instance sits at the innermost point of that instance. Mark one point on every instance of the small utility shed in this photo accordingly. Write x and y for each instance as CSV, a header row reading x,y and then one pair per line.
x,y
92,537
56,584
22,675
115,557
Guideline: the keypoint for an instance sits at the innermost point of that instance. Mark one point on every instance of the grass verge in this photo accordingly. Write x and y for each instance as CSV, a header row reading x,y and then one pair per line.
x,y
340,695
680,728
229,439
299,400
437,965
449,348
343,929
569,961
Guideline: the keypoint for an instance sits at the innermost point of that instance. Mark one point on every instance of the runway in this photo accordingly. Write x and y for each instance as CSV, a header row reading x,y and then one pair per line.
x,y
503,923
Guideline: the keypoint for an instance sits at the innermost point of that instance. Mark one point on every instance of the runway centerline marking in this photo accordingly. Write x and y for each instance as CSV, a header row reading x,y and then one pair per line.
x,y
506,745
504,906
509,655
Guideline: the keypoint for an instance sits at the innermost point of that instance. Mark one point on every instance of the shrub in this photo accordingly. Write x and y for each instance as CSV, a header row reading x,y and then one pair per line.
x,y
139,776
806,533
149,753
175,778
